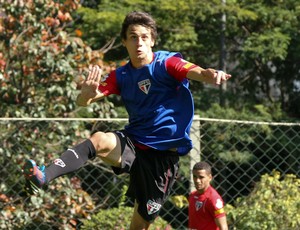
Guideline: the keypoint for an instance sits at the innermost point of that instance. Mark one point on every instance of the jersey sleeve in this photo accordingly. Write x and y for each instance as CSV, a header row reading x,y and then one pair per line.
x,y
178,67
109,84
217,206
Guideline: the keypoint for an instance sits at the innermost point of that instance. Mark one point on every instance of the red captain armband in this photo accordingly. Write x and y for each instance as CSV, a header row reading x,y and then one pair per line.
x,y
219,212
178,67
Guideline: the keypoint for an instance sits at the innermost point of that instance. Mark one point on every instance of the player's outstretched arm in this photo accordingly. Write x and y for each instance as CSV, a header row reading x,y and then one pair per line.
x,y
89,88
209,75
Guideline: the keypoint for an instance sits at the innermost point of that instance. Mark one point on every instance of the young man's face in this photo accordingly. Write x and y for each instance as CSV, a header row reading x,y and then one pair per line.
x,y
139,44
201,180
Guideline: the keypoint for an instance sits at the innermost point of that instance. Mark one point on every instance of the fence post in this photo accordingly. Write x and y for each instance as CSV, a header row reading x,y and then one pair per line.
x,y
195,152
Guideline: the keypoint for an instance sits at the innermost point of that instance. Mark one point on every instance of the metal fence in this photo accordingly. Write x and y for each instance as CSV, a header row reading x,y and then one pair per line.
x,y
239,151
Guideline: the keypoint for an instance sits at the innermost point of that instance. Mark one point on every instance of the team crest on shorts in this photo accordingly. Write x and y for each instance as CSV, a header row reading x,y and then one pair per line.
x,y
152,207
198,205
145,86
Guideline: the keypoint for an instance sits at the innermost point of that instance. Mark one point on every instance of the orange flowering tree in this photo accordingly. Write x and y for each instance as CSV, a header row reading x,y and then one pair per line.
x,y
41,58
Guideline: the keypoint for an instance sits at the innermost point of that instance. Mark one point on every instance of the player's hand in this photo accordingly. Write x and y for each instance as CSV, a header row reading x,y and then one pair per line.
x,y
221,76
89,88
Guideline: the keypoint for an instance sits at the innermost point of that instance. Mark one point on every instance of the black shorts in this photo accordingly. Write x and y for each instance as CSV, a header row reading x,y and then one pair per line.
x,y
152,175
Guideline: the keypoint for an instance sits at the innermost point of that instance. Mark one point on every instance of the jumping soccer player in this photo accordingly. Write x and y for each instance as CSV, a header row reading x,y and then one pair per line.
x,y
154,89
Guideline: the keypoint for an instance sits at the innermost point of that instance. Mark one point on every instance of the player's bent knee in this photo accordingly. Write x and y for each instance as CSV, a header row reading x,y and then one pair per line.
x,y
108,147
103,142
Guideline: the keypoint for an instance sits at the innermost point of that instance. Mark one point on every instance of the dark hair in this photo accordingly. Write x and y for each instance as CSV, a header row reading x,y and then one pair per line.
x,y
139,18
202,166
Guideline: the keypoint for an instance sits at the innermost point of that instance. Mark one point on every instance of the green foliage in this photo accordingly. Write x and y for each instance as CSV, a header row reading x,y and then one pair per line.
x,y
98,30
64,201
179,201
115,218
118,218
33,59
251,112
41,60
267,46
176,27
60,206
228,134
273,204
239,157
267,42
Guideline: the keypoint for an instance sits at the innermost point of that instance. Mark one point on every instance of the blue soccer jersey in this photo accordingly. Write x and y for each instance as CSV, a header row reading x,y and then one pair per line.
x,y
159,106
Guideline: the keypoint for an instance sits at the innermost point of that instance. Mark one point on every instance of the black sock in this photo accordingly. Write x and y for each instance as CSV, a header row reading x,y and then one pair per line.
x,y
70,160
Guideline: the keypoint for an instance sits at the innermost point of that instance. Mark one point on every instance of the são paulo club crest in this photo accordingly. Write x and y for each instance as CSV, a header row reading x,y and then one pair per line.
x,y
198,205
152,207
145,86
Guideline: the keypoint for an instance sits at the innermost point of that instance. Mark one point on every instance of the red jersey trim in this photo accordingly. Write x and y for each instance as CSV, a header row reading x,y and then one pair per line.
x,y
108,84
178,67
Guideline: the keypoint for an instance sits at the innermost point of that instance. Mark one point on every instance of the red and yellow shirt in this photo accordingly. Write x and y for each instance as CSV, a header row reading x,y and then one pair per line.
x,y
204,208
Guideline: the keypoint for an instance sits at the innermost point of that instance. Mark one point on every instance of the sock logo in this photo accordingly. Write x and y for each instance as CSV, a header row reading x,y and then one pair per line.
x,y
73,151
59,163
152,207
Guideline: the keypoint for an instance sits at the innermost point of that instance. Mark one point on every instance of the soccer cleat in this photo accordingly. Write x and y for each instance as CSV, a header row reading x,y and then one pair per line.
x,y
35,176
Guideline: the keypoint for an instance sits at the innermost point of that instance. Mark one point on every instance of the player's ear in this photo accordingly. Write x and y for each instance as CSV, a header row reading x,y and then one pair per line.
x,y
152,43
123,42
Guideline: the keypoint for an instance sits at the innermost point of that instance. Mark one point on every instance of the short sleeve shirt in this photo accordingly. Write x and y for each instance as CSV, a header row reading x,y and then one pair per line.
x,y
204,208
157,99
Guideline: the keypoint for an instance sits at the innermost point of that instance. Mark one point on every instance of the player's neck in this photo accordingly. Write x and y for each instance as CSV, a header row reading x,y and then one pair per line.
x,y
202,191
140,62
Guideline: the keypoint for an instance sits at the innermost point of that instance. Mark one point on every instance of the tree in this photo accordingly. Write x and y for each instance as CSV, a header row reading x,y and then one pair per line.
x,y
41,58
264,44
261,40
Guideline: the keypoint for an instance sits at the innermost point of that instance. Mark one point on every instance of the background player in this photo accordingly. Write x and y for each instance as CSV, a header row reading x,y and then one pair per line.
x,y
206,206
